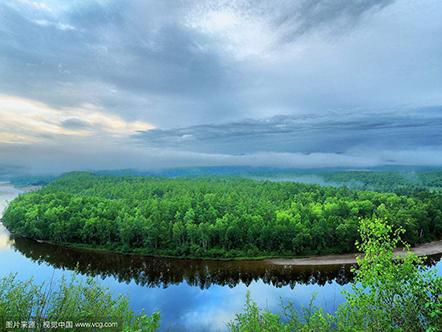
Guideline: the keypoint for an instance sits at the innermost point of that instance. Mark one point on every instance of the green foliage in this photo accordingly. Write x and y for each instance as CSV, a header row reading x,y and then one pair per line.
x,y
71,300
311,319
32,180
390,293
431,179
213,217
254,319
393,181
378,181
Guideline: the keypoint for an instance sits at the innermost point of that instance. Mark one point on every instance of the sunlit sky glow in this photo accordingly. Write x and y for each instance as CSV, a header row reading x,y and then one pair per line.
x,y
149,84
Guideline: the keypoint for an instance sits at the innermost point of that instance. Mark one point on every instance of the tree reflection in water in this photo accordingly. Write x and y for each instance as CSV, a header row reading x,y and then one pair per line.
x,y
162,272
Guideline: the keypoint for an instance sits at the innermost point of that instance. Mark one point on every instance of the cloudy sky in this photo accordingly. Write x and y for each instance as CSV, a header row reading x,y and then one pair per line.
x,y
150,84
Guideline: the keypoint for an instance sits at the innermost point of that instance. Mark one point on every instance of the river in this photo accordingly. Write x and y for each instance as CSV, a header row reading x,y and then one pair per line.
x,y
192,295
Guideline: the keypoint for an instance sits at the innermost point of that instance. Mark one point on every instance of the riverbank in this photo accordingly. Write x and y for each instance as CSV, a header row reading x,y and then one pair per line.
x,y
433,248
426,249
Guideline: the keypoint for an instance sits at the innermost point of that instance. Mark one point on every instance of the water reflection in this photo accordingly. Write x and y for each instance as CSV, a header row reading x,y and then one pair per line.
x,y
162,272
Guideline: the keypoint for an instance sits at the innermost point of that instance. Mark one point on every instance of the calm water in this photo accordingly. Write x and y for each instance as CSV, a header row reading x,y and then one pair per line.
x,y
191,295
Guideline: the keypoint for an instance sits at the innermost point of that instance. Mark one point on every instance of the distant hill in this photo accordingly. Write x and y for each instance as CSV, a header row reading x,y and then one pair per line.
x,y
381,178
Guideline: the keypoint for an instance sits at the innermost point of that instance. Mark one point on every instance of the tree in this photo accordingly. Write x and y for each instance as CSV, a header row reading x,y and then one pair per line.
x,y
390,293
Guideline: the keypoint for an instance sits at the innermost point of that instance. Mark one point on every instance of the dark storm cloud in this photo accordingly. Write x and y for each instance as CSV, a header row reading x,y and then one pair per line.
x,y
300,17
74,123
327,134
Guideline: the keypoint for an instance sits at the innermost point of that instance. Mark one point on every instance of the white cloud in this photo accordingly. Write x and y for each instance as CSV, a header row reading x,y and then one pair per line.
x,y
80,154
29,121
238,32
58,25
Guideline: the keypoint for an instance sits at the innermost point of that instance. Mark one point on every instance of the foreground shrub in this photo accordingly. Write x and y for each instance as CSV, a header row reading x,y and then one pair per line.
x,y
390,293
75,302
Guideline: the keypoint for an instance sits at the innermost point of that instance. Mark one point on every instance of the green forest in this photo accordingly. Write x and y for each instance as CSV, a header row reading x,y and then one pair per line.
x,y
387,180
214,217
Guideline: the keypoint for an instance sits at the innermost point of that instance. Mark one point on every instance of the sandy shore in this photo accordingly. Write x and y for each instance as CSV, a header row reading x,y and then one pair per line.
x,y
426,249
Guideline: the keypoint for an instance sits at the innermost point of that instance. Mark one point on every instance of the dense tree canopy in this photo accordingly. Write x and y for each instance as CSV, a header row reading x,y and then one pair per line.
x,y
386,180
214,217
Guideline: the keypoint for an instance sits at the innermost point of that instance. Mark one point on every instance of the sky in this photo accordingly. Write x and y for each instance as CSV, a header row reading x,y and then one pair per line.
x,y
108,84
